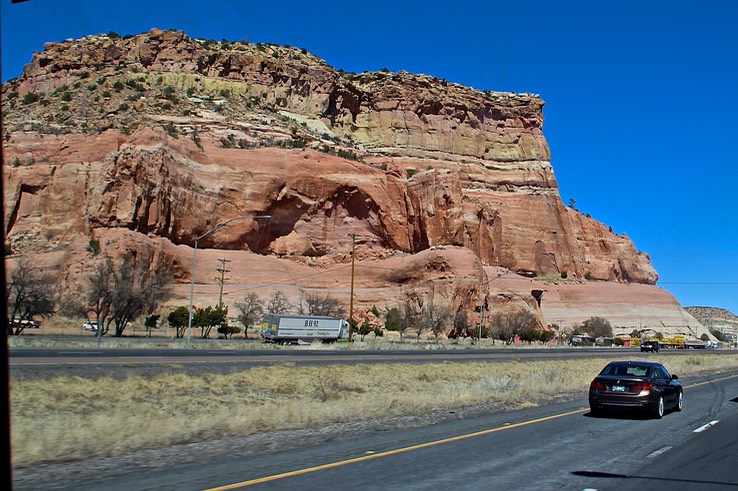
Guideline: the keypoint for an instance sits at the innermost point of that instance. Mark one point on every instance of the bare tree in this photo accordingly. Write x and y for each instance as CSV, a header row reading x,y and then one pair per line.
x,y
98,298
433,317
278,303
507,325
137,290
29,293
250,311
597,326
412,311
461,324
315,304
118,294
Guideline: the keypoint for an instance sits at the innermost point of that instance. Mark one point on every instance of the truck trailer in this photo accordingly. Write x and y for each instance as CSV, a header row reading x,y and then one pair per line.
x,y
293,329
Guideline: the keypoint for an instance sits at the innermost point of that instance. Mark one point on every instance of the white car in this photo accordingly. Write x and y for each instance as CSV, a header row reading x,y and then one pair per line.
x,y
90,326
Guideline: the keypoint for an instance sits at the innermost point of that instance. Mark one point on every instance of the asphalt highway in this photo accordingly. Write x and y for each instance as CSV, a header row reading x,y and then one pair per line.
x,y
29,357
559,446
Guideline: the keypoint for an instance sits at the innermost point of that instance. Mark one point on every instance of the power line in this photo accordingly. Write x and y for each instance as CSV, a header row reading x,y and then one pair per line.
x,y
698,282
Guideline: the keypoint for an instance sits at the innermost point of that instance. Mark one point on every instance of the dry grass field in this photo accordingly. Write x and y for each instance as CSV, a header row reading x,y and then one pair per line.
x,y
65,418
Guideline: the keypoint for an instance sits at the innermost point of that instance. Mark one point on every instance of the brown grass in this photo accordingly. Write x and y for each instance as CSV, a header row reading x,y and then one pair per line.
x,y
67,418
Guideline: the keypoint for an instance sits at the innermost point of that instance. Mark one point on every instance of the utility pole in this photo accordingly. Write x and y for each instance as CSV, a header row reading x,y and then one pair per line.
x,y
351,301
481,304
194,263
353,261
221,280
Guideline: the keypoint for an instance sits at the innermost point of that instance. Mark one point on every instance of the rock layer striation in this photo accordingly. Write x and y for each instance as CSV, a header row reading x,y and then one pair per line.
x,y
165,136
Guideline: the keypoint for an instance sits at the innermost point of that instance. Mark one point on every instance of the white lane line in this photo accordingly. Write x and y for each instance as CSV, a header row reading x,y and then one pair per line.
x,y
658,452
706,426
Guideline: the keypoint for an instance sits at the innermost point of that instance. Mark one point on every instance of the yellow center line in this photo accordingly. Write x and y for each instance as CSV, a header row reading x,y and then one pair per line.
x,y
339,463
369,456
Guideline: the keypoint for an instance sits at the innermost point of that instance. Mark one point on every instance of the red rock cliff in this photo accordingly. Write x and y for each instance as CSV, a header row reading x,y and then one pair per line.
x,y
164,136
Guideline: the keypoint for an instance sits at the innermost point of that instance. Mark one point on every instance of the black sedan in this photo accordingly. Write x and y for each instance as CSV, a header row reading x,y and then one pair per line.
x,y
652,346
635,384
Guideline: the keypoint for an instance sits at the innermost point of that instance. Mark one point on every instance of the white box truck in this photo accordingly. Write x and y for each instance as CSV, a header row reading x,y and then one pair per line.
x,y
292,329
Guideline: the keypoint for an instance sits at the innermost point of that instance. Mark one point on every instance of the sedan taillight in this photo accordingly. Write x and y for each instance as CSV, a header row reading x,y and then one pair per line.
x,y
643,386
597,385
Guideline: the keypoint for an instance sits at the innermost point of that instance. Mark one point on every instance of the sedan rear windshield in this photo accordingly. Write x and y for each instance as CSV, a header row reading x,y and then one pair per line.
x,y
627,369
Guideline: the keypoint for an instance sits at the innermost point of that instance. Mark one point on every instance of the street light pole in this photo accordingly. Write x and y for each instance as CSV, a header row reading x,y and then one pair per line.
x,y
481,303
194,263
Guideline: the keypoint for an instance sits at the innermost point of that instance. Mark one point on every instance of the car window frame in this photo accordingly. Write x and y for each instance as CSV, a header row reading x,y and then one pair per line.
x,y
663,372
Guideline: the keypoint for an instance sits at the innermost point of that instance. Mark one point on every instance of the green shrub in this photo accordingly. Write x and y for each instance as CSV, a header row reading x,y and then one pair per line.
x,y
31,97
171,129
94,246
293,143
169,94
410,172
348,155
66,97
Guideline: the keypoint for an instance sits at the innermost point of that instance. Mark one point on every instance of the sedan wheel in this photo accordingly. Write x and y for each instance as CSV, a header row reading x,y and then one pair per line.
x,y
680,402
660,407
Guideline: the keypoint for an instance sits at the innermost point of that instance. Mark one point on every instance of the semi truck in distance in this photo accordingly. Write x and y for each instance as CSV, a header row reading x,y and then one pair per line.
x,y
299,329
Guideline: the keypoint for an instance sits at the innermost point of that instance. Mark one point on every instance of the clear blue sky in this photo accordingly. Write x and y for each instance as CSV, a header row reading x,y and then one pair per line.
x,y
641,106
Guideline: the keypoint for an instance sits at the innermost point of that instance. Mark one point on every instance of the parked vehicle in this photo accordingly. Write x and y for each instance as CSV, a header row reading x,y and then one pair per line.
x,y
292,329
581,340
90,326
695,345
652,346
636,384
25,323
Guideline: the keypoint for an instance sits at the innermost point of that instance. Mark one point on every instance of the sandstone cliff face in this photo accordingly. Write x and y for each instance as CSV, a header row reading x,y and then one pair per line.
x,y
167,136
